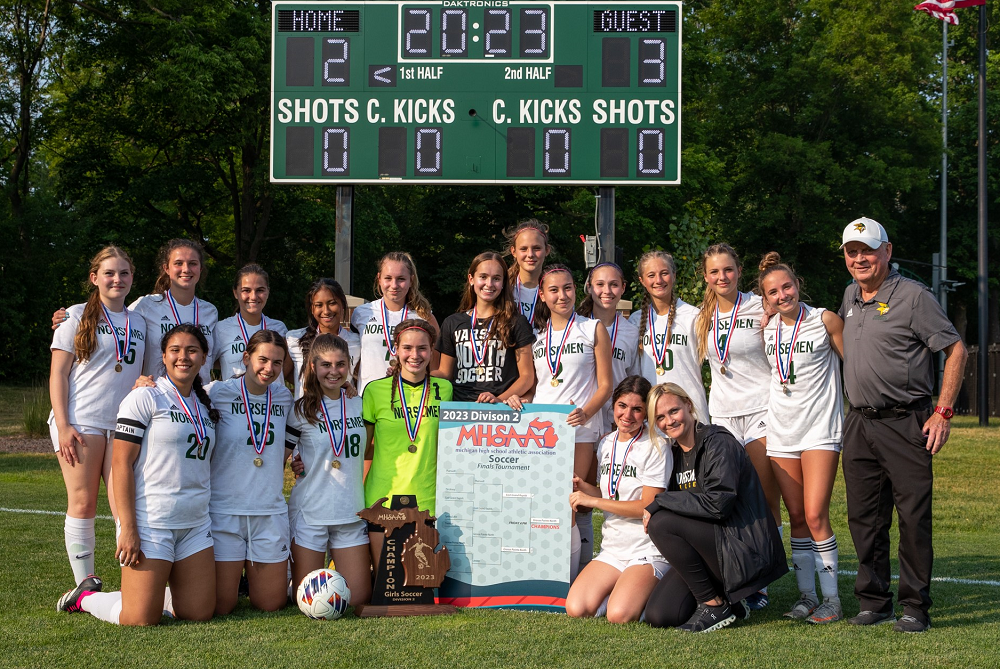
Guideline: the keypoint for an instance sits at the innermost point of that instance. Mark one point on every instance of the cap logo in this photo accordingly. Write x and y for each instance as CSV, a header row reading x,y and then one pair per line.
x,y
860,227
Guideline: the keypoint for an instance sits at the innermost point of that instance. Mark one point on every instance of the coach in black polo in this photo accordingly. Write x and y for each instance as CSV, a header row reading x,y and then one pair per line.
x,y
892,327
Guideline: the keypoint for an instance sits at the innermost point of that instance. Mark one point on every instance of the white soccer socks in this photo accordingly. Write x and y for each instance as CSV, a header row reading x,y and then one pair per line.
x,y
106,606
804,565
80,542
826,556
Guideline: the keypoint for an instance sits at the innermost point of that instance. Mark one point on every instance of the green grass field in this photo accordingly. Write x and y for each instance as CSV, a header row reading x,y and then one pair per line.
x,y
966,617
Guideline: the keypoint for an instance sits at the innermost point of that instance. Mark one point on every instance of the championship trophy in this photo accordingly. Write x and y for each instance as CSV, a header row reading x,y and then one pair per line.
x,y
410,542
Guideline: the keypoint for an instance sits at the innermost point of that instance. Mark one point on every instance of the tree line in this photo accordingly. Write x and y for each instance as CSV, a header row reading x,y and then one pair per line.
x,y
136,122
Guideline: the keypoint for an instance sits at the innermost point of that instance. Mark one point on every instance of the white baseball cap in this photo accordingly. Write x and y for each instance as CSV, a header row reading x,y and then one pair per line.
x,y
866,230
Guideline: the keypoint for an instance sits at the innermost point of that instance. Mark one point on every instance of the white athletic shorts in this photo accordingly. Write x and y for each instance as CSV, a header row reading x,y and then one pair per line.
x,y
797,455
255,538
656,561
746,428
82,429
592,430
320,537
172,545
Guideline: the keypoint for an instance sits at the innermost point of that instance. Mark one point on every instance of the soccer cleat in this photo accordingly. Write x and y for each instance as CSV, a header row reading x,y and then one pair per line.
x,y
827,612
742,609
911,625
757,600
803,608
872,618
70,601
708,618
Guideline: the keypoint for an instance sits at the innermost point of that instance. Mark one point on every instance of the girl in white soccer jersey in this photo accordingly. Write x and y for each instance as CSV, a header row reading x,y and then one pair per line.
x,y
486,347
604,289
162,476
251,289
398,288
326,305
96,358
729,335
804,431
327,428
528,245
249,514
572,357
173,302
667,343
632,471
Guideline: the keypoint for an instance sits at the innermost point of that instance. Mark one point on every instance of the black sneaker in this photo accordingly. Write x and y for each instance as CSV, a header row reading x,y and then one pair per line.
x,y
709,618
911,625
872,618
70,601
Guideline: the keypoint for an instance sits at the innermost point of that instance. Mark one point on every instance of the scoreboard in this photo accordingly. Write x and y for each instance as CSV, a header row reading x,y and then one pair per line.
x,y
476,92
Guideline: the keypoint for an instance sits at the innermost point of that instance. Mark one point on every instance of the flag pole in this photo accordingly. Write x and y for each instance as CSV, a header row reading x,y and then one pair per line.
x,y
984,309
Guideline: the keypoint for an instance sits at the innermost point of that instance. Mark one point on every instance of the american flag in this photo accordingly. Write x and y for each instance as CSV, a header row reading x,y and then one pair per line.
x,y
945,9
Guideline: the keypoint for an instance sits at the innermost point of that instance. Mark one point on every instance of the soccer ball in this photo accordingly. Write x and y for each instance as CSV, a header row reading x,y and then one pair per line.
x,y
323,594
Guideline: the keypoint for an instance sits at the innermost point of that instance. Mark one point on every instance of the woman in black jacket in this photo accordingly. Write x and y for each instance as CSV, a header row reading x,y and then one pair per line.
x,y
712,524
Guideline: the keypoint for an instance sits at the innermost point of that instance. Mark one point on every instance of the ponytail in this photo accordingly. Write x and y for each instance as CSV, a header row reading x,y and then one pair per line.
x,y
202,395
86,335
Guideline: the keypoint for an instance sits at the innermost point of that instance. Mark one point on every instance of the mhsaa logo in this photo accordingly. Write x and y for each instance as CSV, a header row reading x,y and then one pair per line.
x,y
541,433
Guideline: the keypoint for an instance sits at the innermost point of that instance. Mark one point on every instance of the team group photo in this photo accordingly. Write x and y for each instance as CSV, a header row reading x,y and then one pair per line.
x,y
374,333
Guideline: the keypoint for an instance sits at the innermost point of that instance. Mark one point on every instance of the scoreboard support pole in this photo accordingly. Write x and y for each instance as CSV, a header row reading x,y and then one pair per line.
x,y
343,260
606,223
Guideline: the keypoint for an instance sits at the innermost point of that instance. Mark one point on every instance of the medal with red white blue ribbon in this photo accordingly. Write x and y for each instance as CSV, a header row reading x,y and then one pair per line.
x,y
723,352
243,327
200,431
337,444
517,289
120,348
385,326
659,355
478,354
413,426
258,447
173,309
615,481
785,367
555,363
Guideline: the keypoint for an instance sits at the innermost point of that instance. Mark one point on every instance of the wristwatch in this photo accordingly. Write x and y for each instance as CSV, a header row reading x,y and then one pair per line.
x,y
946,412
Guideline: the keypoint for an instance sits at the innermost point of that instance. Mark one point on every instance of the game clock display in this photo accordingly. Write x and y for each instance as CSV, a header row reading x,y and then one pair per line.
x,y
476,91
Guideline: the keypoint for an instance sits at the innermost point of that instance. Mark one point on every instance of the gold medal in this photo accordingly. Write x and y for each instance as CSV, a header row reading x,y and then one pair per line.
x,y
480,370
335,464
412,448
118,367
723,369
784,389
660,370
258,462
554,382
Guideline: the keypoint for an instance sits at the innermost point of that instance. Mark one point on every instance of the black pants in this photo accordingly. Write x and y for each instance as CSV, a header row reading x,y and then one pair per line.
x,y
688,544
886,464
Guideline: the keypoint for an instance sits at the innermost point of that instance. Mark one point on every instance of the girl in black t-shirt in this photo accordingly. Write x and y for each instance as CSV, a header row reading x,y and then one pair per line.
x,y
486,347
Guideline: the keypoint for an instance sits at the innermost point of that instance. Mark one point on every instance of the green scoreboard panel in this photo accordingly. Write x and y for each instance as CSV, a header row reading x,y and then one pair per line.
x,y
476,91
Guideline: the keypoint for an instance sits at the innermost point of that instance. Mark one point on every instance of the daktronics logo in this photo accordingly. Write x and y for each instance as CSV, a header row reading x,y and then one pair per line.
x,y
539,432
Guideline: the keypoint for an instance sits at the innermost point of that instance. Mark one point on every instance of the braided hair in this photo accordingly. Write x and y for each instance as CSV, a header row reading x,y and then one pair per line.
x,y
647,301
